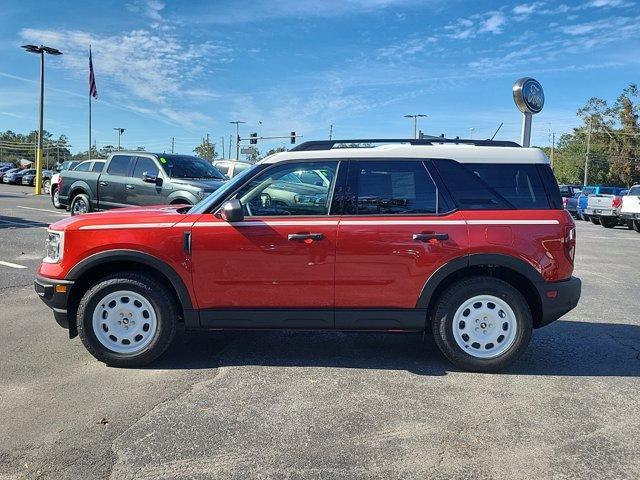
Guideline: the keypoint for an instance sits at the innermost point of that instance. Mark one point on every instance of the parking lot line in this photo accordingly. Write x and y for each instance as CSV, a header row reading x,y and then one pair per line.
x,y
12,265
42,210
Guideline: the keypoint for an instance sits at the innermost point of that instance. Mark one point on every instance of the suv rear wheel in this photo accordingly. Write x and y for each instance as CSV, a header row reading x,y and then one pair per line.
x,y
127,319
482,324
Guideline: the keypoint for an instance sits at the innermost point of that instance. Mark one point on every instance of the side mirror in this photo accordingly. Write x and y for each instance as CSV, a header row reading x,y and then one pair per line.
x,y
231,211
148,178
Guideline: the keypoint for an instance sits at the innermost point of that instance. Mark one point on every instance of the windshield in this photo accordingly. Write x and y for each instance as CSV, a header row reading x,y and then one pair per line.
x,y
222,192
185,166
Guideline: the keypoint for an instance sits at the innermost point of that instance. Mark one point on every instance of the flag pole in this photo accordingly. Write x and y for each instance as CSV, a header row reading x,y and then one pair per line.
x,y
89,151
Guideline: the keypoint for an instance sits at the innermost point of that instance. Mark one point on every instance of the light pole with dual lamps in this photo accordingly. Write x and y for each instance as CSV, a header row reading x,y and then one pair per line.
x,y
41,50
415,117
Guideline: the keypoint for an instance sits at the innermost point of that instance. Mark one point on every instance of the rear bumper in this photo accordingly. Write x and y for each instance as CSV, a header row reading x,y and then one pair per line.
x,y
558,298
597,212
54,293
630,215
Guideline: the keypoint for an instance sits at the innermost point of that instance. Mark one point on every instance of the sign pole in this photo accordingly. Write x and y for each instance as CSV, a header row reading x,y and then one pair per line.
x,y
525,136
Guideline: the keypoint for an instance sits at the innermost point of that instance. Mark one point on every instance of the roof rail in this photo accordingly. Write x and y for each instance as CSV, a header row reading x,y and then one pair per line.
x,y
329,144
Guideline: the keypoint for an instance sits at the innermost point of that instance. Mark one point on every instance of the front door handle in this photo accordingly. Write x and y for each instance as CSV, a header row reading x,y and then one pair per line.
x,y
129,187
103,184
425,237
301,237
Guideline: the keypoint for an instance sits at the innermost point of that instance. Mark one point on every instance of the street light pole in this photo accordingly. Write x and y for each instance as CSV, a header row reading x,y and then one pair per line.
x,y
415,117
41,50
237,123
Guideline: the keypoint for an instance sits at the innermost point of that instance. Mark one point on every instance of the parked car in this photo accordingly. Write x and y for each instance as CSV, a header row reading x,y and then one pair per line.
x,y
630,209
604,209
10,171
571,203
231,168
15,177
139,178
54,185
468,242
589,190
569,191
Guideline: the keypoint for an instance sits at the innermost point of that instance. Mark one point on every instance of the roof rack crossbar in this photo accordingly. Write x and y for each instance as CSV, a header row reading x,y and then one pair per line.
x,y
329,144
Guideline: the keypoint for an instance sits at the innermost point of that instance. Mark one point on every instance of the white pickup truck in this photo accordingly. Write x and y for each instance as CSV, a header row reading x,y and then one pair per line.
x,y
630,210
604,209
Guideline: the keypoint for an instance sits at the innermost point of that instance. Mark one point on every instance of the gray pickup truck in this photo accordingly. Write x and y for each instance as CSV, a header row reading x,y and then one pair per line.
x,y
139,178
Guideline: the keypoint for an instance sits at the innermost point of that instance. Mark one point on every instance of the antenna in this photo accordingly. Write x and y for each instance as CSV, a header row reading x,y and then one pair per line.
x,y
497,130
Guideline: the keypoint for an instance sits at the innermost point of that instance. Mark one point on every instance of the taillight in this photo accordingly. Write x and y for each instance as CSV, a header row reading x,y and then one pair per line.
x,y
565,201
570,242
617,202
59,182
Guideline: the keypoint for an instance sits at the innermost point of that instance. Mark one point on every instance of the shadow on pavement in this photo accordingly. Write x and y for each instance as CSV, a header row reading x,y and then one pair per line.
x,y
19,222
564,348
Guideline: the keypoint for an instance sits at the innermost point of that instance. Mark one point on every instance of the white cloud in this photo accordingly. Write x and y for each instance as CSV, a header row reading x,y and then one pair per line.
x,y
494,23
149,8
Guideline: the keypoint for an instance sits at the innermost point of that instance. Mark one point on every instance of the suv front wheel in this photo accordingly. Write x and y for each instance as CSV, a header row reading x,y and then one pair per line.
x,y
127,319
482,324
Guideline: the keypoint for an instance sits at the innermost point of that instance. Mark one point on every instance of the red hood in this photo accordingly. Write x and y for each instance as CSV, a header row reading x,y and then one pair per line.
x,y
163,215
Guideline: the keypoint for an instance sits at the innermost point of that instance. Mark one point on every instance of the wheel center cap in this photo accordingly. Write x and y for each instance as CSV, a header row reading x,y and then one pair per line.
x,y
125,321
483,325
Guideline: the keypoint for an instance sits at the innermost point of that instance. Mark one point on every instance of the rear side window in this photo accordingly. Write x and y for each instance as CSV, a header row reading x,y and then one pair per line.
x,y
499,186
223,168
119,165
394,188
519,184
83,167
634,191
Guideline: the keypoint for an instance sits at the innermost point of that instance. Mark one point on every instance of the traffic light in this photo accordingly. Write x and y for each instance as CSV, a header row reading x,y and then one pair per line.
x,y
293,137
253,138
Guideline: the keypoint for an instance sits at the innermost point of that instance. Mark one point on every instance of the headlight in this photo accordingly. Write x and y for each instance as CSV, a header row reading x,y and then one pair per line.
x,y
54,246
202,194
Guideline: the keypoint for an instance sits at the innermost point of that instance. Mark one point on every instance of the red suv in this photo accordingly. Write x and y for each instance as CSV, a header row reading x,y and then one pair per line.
x,y
466,239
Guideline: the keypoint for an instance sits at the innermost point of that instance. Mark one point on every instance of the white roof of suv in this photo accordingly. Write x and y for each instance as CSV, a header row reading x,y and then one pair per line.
x,y
463,153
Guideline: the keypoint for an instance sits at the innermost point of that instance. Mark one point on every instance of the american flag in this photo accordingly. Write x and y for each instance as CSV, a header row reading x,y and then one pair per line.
x,y
93,90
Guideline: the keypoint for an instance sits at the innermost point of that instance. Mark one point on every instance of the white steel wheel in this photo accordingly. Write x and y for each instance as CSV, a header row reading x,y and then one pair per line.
x,y
484,326
124,322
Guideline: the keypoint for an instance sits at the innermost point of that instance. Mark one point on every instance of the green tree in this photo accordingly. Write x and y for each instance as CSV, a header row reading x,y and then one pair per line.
x,y
206,150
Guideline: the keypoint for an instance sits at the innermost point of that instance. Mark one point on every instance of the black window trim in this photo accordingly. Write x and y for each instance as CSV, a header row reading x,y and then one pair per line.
x,y
451,207
215,208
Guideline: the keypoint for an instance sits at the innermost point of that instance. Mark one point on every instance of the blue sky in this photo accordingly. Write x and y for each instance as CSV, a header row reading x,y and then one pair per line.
x,y
183,69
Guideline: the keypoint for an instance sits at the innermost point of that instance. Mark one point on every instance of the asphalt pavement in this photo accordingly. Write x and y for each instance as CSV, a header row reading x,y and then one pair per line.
x,y
320,405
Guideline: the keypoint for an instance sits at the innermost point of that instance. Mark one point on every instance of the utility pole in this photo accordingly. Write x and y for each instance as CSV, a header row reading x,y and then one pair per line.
x,y
230,137
237,124
222,141
553,147
586,158
173,144
331,132
471,133
120,132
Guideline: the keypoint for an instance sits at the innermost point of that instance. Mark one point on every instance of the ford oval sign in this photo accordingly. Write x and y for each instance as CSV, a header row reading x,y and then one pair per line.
x,y
528,95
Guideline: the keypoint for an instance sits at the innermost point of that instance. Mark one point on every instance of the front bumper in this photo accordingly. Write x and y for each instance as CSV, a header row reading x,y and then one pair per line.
x,y
558,298
54,293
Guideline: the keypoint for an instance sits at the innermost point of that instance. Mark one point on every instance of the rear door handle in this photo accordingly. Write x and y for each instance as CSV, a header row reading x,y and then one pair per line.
x,y
129,187
103,184
301,237
425,237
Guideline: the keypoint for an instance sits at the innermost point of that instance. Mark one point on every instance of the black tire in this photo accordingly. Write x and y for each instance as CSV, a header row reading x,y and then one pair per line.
x,y
608,222
154,292
584,217
80,204
464,290
595,220
55,197
636,225
630,224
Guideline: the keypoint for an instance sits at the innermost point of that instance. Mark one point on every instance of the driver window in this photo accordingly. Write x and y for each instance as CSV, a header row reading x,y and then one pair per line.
x,y
290,189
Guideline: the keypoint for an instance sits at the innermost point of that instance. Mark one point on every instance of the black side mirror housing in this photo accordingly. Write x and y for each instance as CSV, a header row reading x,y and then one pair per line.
x,y
231,211
148,178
